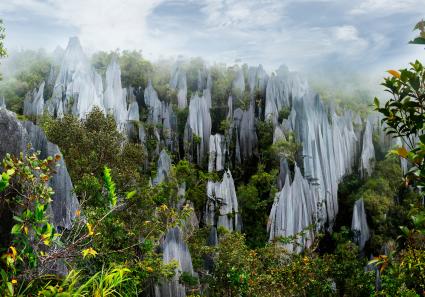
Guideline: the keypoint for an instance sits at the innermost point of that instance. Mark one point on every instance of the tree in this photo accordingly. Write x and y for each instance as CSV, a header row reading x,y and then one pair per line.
x,y
404,116
3,52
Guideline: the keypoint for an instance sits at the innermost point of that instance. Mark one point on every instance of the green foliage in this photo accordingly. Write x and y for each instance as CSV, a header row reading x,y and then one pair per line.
x,y
24,78
284,114
403,116
286,148
110,186
271,271
255,200
135,70
102,144
3,52
27,196
420,26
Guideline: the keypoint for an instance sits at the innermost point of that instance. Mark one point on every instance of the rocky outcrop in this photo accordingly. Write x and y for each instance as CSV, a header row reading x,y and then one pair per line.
x,y
367,157
257,79
175,249
153,104
359,224
78,88
282,88
198,126
34,102
217,153
2,102
222,199
173,246
178,82
114,98
238,85
246,135
163,168
15,137
329,151
295,210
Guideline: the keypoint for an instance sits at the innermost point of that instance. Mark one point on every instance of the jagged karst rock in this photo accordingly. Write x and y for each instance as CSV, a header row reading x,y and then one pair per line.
x,y
34,102
153,103
163,168
359,224
246,135
216,153
2,103
15,136
173,245
178,82
222,196
257,79
114,98
294,210
238,85
174,248
368,151
198,126
282,89
78,88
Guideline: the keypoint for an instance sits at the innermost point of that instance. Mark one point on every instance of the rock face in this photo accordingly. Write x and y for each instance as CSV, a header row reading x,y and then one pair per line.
x,y
368,151
153,104
173,245
246,135
34,102
294,210
282,89
178,82
2,102
222,198
174,248
78,88
15,136
257,79
329,152
238,85
217,153
163,168
115,96
359,224
198,126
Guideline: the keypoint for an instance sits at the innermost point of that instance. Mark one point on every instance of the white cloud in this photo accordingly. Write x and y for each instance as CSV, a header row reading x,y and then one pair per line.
x,y
387,7
107,24
257,31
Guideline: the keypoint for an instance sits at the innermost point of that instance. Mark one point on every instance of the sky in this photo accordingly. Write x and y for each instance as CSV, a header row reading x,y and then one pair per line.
x,y
314,35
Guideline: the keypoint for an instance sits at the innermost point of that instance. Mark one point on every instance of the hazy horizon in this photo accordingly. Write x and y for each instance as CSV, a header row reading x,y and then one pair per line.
x,y
316,35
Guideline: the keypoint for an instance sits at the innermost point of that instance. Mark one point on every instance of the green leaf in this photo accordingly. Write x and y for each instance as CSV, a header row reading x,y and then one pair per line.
x,y
418,40
131,194
110,186
16,229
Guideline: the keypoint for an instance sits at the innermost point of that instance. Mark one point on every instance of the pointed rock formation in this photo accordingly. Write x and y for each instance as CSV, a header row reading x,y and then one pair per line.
x,y
368,151
222,197
238,85
216,153
178,82
175,249
114,98
34,102
198,127
294,211
78,88
282,89
163,168
359,224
